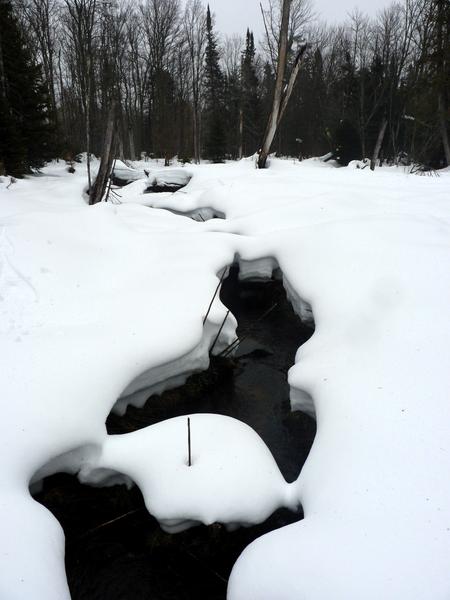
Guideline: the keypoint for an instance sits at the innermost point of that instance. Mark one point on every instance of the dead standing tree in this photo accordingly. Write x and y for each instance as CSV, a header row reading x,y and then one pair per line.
x,y
282,91
194,25
80,24
111,57
97,191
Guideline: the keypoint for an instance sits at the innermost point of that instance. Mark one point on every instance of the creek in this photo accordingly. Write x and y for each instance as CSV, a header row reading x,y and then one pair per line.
x,y
114,548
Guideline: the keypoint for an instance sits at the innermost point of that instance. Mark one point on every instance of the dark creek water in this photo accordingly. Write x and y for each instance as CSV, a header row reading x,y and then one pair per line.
x,y
114,548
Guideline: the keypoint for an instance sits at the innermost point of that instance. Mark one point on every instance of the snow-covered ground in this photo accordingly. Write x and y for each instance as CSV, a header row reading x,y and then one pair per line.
x,y
102,305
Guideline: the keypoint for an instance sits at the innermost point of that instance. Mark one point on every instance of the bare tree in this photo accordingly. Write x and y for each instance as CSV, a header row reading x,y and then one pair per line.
x,y
161,26
231,54
80,26
300,14
135,81
194,21
42,16
442,69
282,92
96,193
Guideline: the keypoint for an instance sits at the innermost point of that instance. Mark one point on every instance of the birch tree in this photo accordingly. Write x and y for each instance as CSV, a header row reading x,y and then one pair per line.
x,y
283,84
194,27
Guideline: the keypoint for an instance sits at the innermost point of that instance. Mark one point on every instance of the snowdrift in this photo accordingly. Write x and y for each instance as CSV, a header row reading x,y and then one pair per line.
x,y
101,306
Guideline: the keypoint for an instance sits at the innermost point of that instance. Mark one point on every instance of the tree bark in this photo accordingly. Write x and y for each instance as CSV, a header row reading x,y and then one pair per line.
x,y
131,142
2,71
443,127
272,123
195,134
292,80
378,144
241,132
99,187
443,56
88,125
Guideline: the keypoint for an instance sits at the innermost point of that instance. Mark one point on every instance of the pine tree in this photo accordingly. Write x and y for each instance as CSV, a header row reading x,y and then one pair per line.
x,y
232,96
250,100
214,98
26,138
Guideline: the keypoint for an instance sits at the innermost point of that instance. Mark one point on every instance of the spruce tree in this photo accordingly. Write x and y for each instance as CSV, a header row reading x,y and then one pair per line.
x,y
214,98
250,100
26,135
232,97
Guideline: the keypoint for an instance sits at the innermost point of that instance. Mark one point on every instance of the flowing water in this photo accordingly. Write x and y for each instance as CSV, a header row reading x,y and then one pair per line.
x,y
114,548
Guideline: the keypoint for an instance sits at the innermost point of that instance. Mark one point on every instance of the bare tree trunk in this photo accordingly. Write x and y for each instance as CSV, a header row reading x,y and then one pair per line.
x,y
282,92
131,142
379,143
241,131
272,123
121,149
98,190
443,128
443,56
199,137
3,92
195,134
65,127
3,82
292,79
88,124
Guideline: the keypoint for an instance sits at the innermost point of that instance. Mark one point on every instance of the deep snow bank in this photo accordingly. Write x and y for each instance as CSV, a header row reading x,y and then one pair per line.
x,y
107,302
371,254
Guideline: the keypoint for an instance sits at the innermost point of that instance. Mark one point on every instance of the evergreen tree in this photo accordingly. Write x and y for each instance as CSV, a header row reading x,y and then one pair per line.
x,y
26,139
162,115
250,100
214,98
232,96
267,85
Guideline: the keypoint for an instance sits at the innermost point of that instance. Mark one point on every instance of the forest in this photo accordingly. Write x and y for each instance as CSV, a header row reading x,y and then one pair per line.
x,y
181,89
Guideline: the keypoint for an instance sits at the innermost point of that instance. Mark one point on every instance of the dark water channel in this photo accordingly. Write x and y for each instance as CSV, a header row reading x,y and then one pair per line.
x,y
114,548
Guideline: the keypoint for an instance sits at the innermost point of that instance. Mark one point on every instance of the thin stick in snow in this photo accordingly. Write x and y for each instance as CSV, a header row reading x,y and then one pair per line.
x,y
189,442
215,294
108,189
220,331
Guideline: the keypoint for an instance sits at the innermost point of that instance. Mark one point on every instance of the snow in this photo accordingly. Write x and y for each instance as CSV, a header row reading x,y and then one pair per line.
x,y
170,177
224,454
101,306
127,174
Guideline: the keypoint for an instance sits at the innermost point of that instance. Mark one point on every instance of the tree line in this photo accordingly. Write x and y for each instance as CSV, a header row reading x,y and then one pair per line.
x,y
370,86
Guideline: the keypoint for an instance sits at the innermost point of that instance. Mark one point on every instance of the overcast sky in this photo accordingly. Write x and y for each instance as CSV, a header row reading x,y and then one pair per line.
x,y
234,16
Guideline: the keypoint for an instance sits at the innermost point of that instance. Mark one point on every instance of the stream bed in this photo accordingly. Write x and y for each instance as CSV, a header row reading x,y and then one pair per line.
x,y
114,548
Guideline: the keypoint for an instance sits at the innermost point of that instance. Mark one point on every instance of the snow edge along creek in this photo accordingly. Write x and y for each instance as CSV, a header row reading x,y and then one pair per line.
x,y
373,489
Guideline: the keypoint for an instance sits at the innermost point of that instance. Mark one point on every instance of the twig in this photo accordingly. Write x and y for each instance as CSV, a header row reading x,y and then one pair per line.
x,y
220,331
203,564
189,441
269,43
215,294
94,529
110,180
239,341
115,197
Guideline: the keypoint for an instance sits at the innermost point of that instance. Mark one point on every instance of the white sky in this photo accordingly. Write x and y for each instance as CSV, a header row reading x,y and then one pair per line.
x,y
234,16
